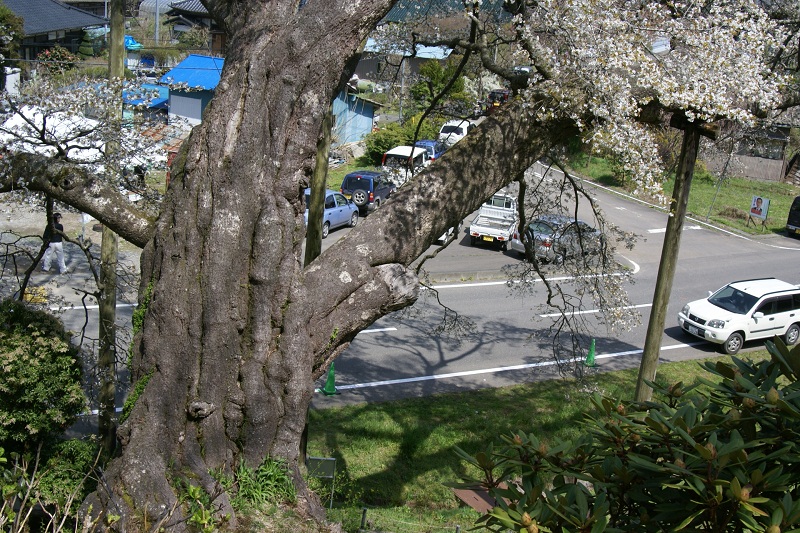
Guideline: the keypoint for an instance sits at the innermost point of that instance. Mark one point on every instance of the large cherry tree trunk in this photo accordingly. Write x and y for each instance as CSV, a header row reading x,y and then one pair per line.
x,y
236,331
225,345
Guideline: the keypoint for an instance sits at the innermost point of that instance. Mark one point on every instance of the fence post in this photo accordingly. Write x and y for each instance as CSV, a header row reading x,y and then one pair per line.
x,y
363,519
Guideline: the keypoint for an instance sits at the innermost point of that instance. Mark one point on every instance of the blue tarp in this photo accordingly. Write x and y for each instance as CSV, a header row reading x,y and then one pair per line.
x,y
196,71
137,97
131,44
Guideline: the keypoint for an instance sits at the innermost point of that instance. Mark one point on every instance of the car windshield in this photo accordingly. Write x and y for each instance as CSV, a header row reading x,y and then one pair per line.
x,y
451,129
733,300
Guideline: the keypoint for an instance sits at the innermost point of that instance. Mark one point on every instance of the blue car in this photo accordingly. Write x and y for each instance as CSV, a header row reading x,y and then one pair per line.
x,y
339,211
435,149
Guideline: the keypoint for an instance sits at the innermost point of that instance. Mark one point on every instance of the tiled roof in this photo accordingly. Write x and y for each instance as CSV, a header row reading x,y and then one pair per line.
x,y
149,6
196,71
190,6
43,16
410,10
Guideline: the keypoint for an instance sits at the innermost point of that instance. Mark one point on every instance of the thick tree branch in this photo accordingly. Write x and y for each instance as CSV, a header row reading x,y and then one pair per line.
x,y
78,187
504,145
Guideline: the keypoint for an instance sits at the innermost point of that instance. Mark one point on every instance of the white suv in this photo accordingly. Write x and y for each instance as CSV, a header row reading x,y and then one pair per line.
x,y
745,310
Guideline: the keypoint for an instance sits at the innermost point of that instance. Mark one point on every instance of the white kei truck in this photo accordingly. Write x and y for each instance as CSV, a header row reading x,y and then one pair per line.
x,y
496,221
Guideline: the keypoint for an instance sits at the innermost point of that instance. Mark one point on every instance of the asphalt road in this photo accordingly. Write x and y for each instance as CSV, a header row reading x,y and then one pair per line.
x,y
508,340
505,337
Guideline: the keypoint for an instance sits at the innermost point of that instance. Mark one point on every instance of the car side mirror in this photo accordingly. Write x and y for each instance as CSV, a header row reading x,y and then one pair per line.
x,y
758,314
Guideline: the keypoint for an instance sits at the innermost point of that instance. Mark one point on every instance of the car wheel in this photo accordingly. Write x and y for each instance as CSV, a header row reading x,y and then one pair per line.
x,y
503,246
733,344
326,228
360,197
792,334
472,240
354,219
377,203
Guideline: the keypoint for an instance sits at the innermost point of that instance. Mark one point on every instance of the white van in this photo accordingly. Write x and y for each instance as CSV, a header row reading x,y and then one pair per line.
x,y
454,130
400,163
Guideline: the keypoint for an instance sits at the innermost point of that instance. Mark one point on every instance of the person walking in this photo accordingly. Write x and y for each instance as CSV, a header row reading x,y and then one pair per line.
x,y
53,235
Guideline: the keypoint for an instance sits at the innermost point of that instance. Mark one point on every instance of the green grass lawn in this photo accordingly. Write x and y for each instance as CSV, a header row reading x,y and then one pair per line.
x,y
336,175
395,459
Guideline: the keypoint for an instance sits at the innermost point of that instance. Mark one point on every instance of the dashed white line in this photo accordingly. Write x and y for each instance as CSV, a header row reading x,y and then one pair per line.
x,y
664,230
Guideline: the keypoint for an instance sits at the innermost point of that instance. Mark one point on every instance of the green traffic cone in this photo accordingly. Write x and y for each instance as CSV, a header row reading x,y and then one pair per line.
x,y
330,383
590,356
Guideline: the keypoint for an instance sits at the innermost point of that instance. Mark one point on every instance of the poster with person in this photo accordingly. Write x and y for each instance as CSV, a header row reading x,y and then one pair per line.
x,y
759,207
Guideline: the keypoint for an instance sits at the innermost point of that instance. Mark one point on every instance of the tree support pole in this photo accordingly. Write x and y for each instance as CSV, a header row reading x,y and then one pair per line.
x,y
109,251
669,252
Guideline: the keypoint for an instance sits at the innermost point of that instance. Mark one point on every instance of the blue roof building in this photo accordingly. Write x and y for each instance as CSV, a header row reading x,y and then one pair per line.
x,y
191,86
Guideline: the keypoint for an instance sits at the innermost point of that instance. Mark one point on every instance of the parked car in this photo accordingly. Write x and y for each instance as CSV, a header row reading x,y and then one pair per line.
x,y
435,149
745,310
339,211
401,162
368,189
496,98
556,237
454,130
793,220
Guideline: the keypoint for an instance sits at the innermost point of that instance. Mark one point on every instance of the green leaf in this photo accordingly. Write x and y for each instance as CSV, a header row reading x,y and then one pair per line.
x,y
688,520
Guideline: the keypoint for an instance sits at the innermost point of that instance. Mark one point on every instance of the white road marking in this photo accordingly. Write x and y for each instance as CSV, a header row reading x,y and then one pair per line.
x,y
81,307
497,369
376,330
591,311
664,230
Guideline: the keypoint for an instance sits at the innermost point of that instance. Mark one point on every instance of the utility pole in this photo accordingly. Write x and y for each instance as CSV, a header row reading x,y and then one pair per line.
x,y
692,131
158,22
109,249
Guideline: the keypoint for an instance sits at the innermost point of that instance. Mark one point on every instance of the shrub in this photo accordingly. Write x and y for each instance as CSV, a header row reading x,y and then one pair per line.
x,y
40,386
723,460
57,60
43,491
65,477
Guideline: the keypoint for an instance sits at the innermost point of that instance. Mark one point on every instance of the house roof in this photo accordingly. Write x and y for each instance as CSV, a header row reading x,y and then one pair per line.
x,y
146,95
196,71
43,16
423,52
149,6
405,10
193,7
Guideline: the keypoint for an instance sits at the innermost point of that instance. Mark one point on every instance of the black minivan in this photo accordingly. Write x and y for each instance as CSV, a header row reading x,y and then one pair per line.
x,y
793,221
